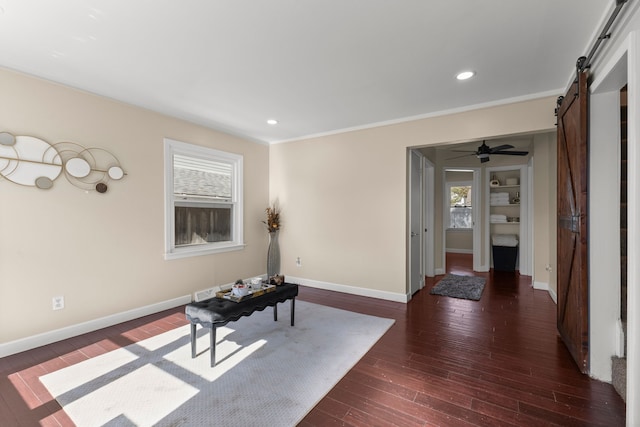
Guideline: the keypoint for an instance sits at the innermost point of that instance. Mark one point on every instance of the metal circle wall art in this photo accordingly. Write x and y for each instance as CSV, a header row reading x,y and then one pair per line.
x,y
31,161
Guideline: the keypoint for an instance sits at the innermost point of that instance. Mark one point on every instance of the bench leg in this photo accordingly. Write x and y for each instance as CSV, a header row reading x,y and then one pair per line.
x,y
193,340
275,312
212,336
293,310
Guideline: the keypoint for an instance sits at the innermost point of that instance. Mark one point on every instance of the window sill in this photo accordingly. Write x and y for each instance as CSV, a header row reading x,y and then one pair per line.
x,y
198,251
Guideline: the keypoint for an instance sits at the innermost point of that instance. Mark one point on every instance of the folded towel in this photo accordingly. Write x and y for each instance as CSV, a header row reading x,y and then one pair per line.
x,y
498,218
510,240
501,199
499,195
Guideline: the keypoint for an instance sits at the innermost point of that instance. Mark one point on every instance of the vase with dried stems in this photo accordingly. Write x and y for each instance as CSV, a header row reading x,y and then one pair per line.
x,y
273,252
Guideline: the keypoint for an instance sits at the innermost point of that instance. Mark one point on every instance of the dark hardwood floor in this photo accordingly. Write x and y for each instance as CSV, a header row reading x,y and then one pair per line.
x,y
448,362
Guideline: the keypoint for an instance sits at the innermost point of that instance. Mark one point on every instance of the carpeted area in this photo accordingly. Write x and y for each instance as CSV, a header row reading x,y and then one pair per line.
x,y
463,287
268,373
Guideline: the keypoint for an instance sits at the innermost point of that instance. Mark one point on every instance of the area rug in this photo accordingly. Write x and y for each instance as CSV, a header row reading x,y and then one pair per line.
x,y
267,373
463,287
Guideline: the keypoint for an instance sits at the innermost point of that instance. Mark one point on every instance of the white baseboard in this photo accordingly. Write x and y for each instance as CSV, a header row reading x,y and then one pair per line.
x,y
45,338
390,296
543,286
440,271
483,268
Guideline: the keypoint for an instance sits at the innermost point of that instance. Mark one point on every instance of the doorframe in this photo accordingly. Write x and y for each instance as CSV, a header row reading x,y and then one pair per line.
x,y
524,255
475,201
429,217
629,51
421,202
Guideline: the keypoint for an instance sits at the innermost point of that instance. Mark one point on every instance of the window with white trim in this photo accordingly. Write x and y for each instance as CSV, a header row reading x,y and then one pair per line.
x,y
203,200
460,205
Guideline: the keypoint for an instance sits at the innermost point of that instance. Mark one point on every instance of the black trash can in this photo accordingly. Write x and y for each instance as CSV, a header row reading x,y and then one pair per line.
x,y
505,252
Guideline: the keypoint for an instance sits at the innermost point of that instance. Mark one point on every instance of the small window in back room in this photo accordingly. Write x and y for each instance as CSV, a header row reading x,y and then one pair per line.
x,y
460,207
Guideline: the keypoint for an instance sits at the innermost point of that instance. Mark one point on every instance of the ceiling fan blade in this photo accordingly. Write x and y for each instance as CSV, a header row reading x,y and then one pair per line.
x,y
512,153
500,148
464,155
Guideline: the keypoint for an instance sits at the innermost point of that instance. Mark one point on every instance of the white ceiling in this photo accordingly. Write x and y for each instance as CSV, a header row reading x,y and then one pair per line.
x,y
316,66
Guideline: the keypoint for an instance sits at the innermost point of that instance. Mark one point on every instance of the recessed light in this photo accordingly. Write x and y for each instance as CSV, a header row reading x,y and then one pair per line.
x,y
272,122
465,75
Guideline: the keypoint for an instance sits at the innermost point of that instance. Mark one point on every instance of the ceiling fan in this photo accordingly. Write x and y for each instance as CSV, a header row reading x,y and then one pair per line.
x,y
484,151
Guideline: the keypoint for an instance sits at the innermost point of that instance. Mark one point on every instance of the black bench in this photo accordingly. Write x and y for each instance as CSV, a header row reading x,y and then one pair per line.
x,y
216,312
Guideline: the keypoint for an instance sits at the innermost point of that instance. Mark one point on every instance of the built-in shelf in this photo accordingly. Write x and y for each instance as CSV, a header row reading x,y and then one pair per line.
x,y
515,213
504,186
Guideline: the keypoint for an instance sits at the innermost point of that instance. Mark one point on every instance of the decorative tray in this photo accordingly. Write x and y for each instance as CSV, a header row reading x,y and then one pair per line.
x,y
227,294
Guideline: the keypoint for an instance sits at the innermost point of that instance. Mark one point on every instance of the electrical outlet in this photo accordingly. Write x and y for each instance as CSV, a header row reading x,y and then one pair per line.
x,y
57,302
298,262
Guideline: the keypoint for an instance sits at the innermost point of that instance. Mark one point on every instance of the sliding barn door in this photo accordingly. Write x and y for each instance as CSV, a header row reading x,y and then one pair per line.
x,y
573,291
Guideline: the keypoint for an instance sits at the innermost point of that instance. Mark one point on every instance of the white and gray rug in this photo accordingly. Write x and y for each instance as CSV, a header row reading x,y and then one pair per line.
x,y
267,373
463,287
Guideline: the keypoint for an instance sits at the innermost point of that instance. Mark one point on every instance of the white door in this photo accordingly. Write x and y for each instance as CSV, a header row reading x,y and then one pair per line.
x,y
416,275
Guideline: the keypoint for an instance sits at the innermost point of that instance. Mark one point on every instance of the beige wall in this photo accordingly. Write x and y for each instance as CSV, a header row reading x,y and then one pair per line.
x,y
459,241
344,196
343,199
104,252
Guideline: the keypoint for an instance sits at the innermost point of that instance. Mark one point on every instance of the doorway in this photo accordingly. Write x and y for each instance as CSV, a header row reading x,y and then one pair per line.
x,y
606,270
461,197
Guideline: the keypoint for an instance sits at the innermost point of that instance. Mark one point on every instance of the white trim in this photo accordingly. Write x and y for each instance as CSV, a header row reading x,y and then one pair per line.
x,y
446,214
607,72
553,296
354,290
429,212
633,231
464,109
45,338
172,147
475,194
459,230
543,286
198,251
459,251
415,172
529,255
524,254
